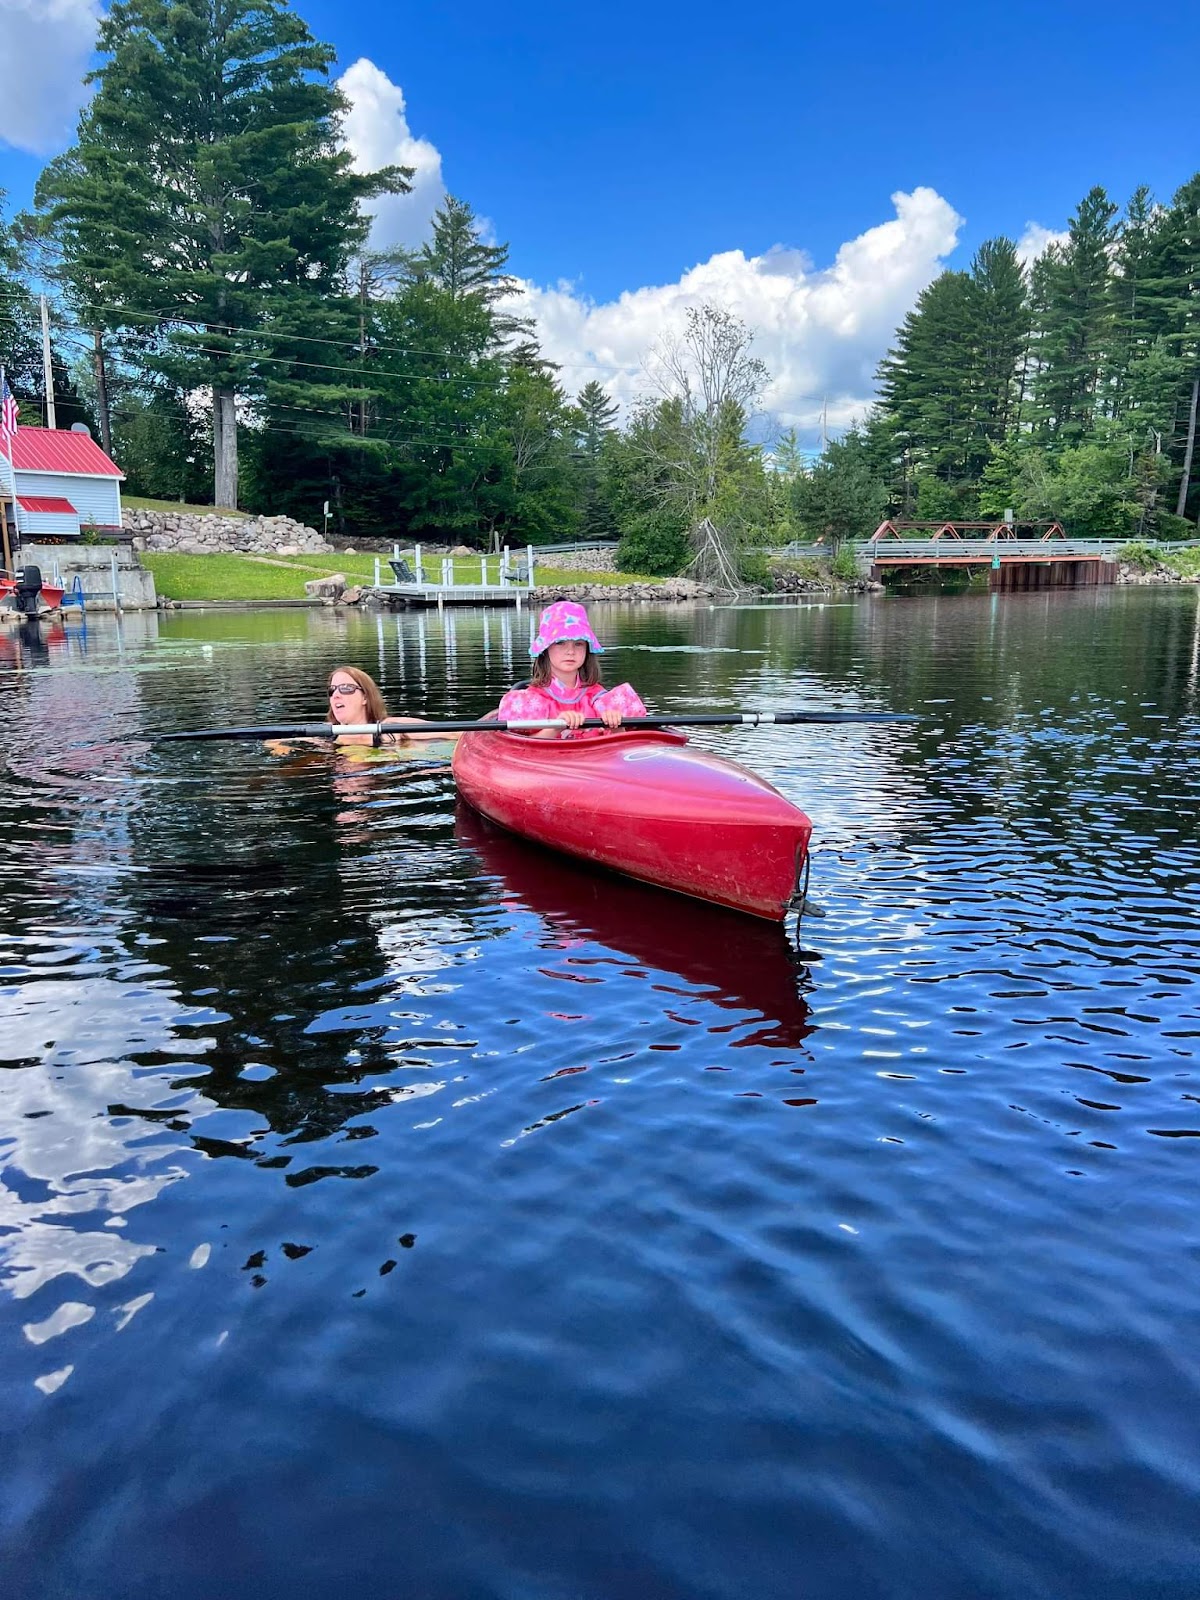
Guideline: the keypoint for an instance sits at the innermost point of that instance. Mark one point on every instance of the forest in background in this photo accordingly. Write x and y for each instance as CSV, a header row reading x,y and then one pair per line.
x,y
222,325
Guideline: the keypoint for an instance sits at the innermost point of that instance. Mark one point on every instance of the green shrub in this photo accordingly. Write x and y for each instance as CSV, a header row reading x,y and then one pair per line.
x,y
1139,554
1185,562
845,564
654,542
754,568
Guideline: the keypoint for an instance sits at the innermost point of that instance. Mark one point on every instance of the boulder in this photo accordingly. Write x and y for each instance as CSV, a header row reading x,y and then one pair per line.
x,y
351,596
329,588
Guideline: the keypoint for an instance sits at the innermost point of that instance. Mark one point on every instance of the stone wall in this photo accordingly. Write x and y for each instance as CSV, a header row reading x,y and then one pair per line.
x,y
189,534
574,560
667,589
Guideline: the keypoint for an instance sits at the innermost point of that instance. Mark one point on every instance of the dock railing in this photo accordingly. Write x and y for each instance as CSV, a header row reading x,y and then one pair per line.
x,y
410,566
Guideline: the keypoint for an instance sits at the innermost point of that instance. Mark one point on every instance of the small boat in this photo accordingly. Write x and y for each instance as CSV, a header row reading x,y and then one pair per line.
x,y
48,596
644,803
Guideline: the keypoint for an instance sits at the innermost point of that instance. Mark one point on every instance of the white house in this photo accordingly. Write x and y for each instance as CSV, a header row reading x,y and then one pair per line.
x,y
56,479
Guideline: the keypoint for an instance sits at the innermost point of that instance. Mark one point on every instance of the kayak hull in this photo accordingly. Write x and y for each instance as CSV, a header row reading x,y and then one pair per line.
x,y
647,804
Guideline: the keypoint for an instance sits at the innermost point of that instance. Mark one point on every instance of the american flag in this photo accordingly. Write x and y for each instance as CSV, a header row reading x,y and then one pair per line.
x,y
8,410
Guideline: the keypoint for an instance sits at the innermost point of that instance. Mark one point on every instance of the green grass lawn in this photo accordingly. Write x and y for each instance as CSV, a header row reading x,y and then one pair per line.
x,y
227,577
137,502
239,577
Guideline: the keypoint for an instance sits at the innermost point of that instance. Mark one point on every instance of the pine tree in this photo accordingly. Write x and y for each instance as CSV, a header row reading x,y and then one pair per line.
x,y
842,498
1174,295
1132,322
788,455
594,421
1002,327
1075,315
457,260
208,194
928,382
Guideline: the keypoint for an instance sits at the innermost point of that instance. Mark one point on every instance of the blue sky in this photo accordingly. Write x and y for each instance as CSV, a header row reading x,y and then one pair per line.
x,y
640,157
624,142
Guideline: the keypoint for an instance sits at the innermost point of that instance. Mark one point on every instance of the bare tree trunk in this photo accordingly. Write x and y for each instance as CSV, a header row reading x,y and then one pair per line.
x,y
102,391
1185,481
225,448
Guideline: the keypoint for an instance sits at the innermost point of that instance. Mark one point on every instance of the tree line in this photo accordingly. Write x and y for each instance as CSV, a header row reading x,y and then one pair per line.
x,y
221,321
1067,392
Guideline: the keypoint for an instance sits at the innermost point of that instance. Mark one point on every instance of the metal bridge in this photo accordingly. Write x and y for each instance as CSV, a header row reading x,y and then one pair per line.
x,y
1035,555
1018,555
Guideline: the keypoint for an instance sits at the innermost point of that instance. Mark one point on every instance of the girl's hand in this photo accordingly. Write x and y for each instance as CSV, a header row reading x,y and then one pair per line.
x,y
573,719
610,716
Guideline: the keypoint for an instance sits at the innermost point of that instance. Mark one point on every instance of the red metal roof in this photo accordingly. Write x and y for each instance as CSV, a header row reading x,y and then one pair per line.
x,y
45,502
58,450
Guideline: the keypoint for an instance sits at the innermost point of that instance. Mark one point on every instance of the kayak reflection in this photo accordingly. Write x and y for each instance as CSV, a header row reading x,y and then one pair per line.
x,y
748,965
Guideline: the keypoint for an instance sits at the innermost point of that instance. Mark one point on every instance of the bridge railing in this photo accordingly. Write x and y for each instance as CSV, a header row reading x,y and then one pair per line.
x,y
950,549
958,550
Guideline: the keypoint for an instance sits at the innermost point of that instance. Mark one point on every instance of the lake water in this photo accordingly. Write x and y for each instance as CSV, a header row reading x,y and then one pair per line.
x,y
389,1207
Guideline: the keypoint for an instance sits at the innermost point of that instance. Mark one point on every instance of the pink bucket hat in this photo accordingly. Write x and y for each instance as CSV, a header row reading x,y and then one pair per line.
x,y
561,621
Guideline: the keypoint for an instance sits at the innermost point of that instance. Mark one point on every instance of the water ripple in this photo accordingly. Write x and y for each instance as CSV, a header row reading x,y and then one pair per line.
x,y
666,1250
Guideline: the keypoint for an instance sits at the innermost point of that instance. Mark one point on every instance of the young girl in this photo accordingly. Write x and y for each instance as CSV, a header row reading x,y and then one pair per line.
x,y
565,682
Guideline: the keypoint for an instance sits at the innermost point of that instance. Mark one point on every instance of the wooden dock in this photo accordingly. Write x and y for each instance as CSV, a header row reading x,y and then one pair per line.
x,y
404,595
413,586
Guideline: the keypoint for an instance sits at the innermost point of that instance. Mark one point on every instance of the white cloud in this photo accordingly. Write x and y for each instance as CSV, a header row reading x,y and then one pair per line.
x,y
45,50
1036,240
376,132
820,331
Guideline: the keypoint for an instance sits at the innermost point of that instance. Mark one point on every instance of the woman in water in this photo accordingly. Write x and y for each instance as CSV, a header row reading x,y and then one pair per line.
x,y
355,699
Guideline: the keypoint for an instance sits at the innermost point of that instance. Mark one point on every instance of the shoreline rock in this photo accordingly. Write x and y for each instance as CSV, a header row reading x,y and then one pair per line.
x,y
185,533
1157,574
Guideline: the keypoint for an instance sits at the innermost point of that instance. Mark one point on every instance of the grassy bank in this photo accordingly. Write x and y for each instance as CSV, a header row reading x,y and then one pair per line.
x,y
137,502
1182,560
239,577
1185,562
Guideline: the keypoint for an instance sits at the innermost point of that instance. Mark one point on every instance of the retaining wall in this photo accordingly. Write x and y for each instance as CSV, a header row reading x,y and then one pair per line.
x,y
92,564
189,534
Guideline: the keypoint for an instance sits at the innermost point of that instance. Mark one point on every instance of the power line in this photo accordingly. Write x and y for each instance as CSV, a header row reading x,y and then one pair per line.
x,y
164,317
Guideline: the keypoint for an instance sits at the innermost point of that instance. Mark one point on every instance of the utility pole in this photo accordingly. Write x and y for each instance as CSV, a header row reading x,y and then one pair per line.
x,y
47,368
824,424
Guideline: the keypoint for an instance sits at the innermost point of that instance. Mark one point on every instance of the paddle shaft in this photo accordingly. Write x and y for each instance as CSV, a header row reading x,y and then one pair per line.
x,y
735,719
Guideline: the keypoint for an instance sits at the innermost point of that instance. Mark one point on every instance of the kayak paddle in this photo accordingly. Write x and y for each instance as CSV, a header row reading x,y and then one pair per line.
x,y
331,730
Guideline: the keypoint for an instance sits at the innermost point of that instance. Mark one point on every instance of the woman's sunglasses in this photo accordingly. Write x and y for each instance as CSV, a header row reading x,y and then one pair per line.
x,y
343,688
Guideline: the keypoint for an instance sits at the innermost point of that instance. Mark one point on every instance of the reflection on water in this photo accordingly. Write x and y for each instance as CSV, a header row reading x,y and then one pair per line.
x,y
733,962
384,1200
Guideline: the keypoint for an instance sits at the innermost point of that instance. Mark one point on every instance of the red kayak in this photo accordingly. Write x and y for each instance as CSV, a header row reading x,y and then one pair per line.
x,y
644,803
